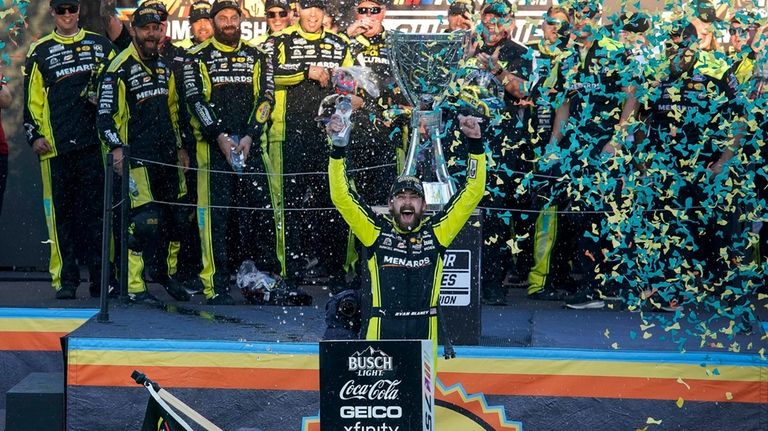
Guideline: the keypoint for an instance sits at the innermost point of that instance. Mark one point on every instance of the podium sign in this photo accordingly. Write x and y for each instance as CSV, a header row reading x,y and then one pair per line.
x,y
377,385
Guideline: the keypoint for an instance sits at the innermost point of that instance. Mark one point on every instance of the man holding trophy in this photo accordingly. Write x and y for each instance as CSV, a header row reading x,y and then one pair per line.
x,y
405,249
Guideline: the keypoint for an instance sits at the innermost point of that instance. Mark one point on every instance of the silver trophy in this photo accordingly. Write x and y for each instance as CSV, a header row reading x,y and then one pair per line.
x,y
424,66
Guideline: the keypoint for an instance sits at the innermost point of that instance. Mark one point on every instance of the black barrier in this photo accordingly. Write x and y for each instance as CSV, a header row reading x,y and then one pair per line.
x,y
377,385
125,206
106,231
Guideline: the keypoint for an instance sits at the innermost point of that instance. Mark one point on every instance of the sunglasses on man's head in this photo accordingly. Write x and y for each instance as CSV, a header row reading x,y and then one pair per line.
x,y
281,14
71,8
375,10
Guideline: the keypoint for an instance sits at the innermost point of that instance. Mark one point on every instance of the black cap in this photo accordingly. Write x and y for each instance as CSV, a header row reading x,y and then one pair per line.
x,y
282,4
635,22
220,5
57,3
159,6
144,15
200,10
500,8
460,7
306,4
406,182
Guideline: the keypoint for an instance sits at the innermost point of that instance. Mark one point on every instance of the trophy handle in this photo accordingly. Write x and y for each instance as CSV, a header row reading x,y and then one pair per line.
x,y
438,185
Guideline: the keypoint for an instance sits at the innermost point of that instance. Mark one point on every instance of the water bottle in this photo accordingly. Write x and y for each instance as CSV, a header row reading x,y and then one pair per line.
x,y
238,160
343,112
133,188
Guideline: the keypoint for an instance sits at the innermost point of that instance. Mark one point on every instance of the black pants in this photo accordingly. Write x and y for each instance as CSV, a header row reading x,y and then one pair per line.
x,y
217,193
313,228
73,200
3,178
189,262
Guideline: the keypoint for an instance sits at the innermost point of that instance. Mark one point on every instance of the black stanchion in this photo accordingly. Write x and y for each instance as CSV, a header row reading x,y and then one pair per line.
x,y
106,230
125,206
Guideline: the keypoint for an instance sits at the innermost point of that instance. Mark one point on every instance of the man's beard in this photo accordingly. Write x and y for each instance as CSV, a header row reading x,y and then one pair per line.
x,y
231,38
146,52
411,223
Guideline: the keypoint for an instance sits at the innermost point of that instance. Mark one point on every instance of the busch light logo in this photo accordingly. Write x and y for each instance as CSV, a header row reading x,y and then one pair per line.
x,y
370,362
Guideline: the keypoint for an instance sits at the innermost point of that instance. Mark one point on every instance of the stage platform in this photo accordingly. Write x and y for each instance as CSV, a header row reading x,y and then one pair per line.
x,y
538,366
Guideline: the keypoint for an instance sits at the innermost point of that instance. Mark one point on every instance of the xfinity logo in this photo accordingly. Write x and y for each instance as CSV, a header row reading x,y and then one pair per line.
x,y
360,427
370,362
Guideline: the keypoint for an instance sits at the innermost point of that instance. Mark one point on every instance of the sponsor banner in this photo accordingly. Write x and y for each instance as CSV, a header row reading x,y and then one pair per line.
x,y
456,284
377,385
410,16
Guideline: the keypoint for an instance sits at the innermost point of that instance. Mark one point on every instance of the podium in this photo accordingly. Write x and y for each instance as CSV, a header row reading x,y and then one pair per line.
x,y
377,385
460,287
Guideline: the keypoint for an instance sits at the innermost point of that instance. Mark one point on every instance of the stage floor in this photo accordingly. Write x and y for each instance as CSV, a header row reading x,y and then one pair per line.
x,y
521,323
544,366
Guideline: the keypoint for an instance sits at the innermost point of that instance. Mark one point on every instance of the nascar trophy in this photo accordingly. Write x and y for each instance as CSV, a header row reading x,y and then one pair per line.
x,y
424,65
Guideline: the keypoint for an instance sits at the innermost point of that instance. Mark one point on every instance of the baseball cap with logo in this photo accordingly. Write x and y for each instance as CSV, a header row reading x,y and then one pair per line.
x,y
460,7
145,15
200,10
282,4
159,6
56,3
406,182
306,4
220,5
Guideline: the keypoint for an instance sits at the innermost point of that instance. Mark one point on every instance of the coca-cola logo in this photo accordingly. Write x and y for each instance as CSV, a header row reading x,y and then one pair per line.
x,y
380,390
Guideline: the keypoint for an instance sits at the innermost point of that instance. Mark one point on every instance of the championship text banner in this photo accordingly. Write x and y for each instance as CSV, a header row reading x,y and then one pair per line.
x,y
410,16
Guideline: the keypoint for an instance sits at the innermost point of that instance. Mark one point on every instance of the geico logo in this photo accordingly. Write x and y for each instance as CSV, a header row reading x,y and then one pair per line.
x,y
371,412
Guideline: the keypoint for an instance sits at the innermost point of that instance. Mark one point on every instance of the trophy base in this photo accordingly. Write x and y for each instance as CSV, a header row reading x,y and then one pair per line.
x,y
437,195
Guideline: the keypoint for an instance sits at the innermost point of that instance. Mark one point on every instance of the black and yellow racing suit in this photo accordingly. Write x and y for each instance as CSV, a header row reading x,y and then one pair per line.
x,y
230,90
57,73
592,81
138,107
689,125
186,237
298,149
406,266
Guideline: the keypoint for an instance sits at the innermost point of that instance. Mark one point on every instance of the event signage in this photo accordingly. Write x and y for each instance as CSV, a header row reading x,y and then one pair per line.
x,y
409,16
383,385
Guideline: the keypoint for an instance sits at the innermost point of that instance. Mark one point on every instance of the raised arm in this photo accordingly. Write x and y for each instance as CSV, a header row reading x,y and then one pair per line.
x,y
458,210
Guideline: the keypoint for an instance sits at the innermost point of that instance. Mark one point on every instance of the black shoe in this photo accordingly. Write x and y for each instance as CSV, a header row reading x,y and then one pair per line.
x,y
175,289
144,297
586,299
193,286
547,295
95,289
221,299
66,291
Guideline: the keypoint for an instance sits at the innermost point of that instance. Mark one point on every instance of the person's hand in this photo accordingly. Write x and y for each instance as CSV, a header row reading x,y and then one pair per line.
x,y
358,27
465,21
611,147
357,102
715,168
470,126
183,157
244,147
225,145
117,160
490,62
41,146
319,74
